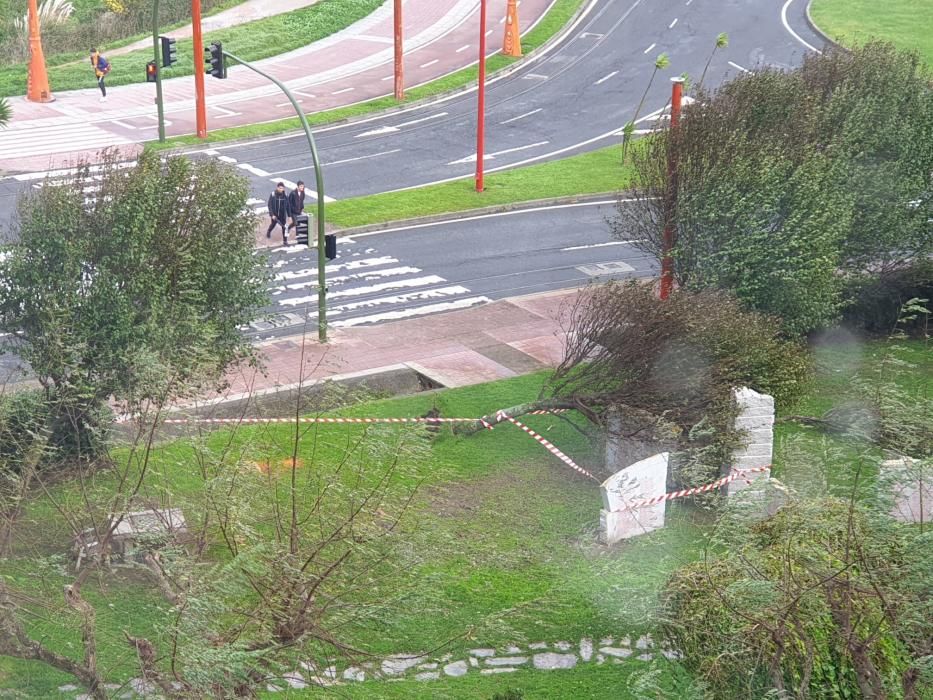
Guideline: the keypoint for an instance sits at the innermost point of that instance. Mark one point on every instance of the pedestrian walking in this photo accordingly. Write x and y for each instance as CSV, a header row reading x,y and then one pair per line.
x,y
101,68
296,203
278,212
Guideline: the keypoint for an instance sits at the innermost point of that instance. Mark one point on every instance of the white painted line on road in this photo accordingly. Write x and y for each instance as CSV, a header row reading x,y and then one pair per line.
x,y
418,311
227,159
377,39
736,65
345,160
649,48
534,76
123,124
224,112
522,116
492,156
462,48
429,63
671,25
605,78
385,286
388,77
423,119
489,32
340,92
286,104
392,129
258,172
792,32
689,1
596,245
304,94
480,217
211,152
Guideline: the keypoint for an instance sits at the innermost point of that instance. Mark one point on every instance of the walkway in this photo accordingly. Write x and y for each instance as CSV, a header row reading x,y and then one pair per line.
x,y
351,66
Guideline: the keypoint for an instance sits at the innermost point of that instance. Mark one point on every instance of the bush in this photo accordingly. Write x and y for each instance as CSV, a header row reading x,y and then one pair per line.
x,y
22,416
875,301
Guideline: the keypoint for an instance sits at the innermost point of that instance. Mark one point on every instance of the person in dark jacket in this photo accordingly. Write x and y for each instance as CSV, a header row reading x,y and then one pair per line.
x,y
296,203
278,211
101,68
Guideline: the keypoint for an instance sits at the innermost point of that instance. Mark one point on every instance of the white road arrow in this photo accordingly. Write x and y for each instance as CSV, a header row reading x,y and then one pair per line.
x,y
393,129
492,156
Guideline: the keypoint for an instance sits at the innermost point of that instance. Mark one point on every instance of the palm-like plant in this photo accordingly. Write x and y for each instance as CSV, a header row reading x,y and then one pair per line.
x,y
6,112
660,63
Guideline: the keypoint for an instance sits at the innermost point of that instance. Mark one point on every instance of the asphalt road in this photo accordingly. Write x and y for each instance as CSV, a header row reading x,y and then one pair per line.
x,y
416,270
572,98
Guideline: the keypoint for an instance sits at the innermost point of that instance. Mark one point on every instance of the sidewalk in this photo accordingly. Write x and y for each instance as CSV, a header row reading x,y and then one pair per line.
x,y
351,66
484,343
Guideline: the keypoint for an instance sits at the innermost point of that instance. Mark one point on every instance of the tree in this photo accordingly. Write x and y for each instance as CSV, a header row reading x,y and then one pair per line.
x,y
789,182
135,293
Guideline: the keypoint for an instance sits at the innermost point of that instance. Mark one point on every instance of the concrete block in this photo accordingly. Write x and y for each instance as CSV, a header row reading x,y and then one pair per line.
x,y
644,479
912,489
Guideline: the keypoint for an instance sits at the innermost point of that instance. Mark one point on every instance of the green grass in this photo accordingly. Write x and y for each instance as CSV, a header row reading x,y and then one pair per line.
x,y
589,173
252,41
556,18
905,23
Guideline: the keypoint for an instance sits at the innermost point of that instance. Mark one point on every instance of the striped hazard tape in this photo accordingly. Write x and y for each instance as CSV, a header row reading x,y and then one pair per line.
x,y
501,415
736,474
368,421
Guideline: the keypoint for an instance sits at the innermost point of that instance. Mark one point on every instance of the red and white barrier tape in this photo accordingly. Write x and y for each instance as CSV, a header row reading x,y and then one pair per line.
x,y
547,445
237,421
737,474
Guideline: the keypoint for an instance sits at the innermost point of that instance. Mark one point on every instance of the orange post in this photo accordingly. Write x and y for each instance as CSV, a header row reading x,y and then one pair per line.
x,y
399,53
670,233
481,100
200,106
512,43
37,81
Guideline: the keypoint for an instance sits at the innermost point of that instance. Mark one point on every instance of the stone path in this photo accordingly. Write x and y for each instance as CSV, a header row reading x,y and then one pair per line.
x,y
540,656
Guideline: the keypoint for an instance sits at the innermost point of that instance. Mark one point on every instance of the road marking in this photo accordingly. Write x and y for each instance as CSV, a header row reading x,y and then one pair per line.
x,y
392,129
388,77
534,76
304,94
587,35
340,162
492,156
792,32
286,104
224,112
429,63
604,79
649,48
736,65
227,159
123,124
522,116
211,152
671,25
418,311
596,245
689,1
606,268
340,92
258,172
377,39
462,48
489,32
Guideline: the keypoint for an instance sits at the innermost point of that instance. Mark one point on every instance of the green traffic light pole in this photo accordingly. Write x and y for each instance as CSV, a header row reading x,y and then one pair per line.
x,y
155,55
319,177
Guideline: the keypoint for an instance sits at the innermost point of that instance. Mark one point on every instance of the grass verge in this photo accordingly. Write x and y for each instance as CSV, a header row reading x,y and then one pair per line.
x,y
252,41
594,172
555,19
899,21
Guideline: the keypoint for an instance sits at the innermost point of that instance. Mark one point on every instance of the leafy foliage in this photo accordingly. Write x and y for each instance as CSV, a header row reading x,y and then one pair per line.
x,y
784,179
137,294
6,112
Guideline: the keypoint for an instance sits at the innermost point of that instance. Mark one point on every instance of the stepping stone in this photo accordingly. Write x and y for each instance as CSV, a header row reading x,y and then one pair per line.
x,y
483,653
586,649
642,643
551,661
600,659
141,686
513,650
428,676
67,688
354,674
395,665
538,645
624,642
616,651
295,680
83,696
456,669
473,662
507,661
645,657
490,671
427,667
563,646
605,642
273,688
671,654
306,666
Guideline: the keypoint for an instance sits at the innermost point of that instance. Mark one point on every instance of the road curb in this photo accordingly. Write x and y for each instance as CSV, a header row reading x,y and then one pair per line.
x,y
423,102
819,32
469,213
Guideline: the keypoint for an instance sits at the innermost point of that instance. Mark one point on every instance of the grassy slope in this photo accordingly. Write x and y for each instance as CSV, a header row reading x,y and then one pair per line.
x,y
253,41
503,545
908,24
594,172
552,22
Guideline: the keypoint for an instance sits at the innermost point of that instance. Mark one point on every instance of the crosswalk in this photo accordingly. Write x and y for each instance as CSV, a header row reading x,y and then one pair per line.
x,y
364,287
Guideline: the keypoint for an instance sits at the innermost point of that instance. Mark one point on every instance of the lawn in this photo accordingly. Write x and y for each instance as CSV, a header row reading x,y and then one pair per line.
x,y
599,171
500,539
556,18
908,24
252,41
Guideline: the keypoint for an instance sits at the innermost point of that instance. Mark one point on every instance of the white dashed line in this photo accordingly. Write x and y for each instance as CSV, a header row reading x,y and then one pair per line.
x,y
671,25
736,65
605,78
462,48
649,48
340,92
521,116
429,63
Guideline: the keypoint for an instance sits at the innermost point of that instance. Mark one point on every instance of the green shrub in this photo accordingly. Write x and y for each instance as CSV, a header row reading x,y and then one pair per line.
x,y
875,301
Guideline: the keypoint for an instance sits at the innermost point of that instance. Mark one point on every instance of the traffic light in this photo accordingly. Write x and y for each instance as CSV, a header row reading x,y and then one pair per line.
x,y
330,245
301,229
169,52
214,60
152,72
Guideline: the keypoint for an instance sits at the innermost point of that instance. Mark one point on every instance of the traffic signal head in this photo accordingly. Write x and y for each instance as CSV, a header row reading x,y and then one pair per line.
x,y
214,60
169,52
152,72
330,246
